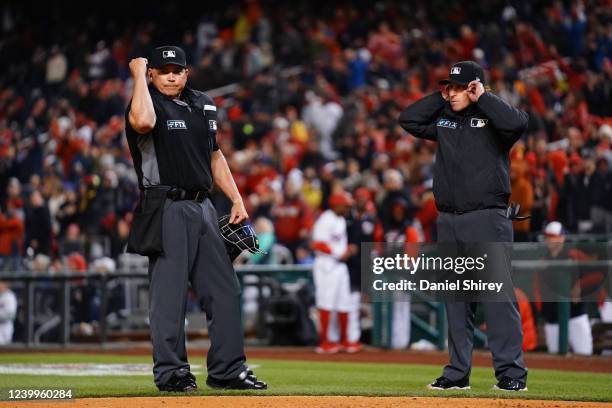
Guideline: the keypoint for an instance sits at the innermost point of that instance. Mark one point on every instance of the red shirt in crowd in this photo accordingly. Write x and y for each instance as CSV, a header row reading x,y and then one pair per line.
x,y
293,219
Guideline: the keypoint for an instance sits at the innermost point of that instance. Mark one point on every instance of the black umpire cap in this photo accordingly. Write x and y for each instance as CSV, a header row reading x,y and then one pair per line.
x,y
167,54
464,72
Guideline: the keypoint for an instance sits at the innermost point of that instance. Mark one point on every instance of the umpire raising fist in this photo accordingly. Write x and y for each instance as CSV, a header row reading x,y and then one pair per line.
x,y
475,131
171,131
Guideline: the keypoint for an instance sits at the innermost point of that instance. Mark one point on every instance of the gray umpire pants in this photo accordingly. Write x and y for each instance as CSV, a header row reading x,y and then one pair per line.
x,y
503,320
194,254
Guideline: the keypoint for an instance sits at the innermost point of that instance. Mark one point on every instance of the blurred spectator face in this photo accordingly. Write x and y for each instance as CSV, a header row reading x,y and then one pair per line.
x,y
555,237
458,96
14,188
36,199
540,146
310,173
73,232
398,212
3,287
362,198
35,181
353,167
342,210
41,263
575,138
263,226
393,180
602,166
291,190
169,79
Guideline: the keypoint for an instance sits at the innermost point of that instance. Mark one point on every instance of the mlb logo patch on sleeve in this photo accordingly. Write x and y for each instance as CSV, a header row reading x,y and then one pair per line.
x,y
212,124
478,123
176,124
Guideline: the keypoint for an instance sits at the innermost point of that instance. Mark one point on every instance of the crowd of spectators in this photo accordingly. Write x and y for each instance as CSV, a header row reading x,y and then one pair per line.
x,y
318,89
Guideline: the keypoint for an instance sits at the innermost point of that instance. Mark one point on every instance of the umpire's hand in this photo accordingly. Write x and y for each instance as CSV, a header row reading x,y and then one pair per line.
x,y
238,213
138,67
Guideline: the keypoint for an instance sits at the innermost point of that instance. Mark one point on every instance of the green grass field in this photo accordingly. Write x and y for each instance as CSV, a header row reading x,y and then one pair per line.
x,y
311,378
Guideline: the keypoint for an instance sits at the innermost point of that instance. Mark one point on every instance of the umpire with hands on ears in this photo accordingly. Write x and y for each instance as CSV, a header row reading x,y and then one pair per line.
x,y
171,131
474,130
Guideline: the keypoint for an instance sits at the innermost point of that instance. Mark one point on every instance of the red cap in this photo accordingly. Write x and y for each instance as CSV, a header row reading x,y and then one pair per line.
x,y
340,198
362,192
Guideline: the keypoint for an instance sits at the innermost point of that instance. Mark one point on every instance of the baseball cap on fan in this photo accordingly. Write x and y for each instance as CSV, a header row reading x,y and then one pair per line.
x,y
464,72
167,54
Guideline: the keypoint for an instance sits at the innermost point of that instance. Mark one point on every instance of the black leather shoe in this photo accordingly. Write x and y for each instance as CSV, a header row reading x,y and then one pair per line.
x,y
443,383
180,381
510,384
251,376
245,381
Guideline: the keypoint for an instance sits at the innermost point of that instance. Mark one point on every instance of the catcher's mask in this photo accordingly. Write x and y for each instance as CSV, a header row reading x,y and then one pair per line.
x,y
239,237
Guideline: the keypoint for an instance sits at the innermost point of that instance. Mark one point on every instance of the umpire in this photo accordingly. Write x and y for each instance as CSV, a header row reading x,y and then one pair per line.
x,y
171,131
475,131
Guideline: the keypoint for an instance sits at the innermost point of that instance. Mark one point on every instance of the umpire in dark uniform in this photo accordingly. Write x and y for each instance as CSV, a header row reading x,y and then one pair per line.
x,y
474,130
171,131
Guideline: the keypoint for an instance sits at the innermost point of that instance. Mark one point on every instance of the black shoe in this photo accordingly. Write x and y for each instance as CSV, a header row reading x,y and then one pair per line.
x,y
443,383
245,381
180,381
510,384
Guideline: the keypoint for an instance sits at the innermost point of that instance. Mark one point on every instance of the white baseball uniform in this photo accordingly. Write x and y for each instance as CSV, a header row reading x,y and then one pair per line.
x,y
331,276
580,337
8,311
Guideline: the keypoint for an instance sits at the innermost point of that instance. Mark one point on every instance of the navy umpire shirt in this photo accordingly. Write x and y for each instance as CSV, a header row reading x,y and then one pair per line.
x,y
177,152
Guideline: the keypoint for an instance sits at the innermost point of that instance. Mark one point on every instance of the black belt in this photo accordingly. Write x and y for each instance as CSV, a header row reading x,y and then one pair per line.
x,y
459,212
178,193
512,211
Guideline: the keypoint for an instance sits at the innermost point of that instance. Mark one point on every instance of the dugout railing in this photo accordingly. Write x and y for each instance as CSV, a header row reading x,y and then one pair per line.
x,y
260,278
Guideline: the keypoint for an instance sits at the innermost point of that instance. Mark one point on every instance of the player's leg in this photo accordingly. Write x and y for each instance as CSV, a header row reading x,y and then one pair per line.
x,y
215,282
551,332
324,281
354,318
168,281
580,335
505,338
504,328
460,317
401,321
344,302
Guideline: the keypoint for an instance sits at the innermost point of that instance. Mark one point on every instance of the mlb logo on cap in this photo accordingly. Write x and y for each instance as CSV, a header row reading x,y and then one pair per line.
x,y
167,54
463,72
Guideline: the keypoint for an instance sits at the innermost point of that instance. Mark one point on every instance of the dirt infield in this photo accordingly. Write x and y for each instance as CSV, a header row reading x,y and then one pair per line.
x,y
311,402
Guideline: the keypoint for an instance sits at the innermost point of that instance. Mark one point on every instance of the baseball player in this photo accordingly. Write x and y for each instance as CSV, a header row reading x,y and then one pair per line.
x,y
580,336
331,275
361,225
171,131
8,312
474,130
